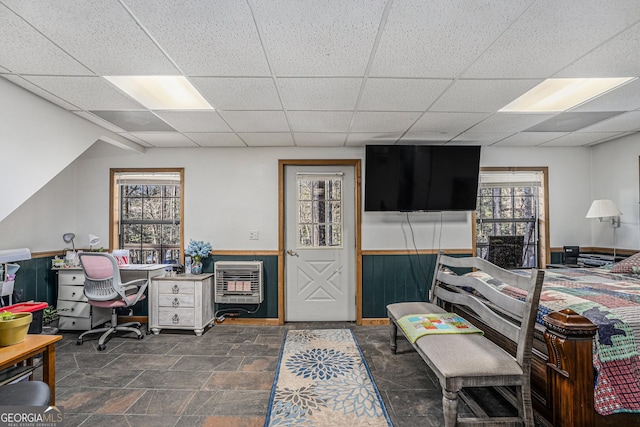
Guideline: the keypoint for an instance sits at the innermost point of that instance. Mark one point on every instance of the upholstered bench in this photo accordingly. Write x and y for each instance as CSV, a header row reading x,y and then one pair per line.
x,y
472,360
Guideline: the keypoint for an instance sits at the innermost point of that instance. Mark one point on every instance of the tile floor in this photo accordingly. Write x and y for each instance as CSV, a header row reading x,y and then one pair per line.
x,y
222,378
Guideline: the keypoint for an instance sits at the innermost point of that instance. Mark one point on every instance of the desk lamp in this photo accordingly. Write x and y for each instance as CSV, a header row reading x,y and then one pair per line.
x,y
93,240
68,238
605,208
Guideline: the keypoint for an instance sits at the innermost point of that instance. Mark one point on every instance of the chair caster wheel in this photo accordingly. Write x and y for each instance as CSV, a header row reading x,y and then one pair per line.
x,y
140,337
102,347
79,342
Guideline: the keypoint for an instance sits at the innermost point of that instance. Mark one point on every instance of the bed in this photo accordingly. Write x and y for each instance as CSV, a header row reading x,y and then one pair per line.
x,y
610,299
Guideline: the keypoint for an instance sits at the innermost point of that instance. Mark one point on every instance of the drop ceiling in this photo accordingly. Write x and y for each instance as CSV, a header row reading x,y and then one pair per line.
x,y
330,72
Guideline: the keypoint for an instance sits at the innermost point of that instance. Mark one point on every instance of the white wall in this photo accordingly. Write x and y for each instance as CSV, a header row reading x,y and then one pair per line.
x,y
37,140
229,191
615,175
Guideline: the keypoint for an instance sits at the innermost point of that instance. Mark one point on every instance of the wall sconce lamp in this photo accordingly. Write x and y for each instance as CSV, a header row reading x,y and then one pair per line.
x,y
93,241
605,208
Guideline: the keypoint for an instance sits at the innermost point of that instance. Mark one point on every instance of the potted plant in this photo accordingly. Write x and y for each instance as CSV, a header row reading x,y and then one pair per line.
x,y
50,318
198,250
13,327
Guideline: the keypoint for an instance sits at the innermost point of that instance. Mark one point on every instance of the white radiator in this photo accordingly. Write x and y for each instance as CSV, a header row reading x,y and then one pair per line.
x,y
238,282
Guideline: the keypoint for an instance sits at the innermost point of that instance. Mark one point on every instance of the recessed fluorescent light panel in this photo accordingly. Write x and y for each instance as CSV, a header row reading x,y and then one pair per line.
x,y
161,92
554,95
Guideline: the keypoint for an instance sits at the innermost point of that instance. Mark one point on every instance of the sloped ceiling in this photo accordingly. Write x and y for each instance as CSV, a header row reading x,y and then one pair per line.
x,y
330,72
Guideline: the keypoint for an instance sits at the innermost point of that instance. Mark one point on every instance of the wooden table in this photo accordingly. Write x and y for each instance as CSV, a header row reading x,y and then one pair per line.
x,y
27,350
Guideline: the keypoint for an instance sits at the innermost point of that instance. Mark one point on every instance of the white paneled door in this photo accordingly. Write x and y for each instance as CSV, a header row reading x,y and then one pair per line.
x,y
320,283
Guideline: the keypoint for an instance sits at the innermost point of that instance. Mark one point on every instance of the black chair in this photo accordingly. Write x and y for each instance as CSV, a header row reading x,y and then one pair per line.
x,y
506,251
25,393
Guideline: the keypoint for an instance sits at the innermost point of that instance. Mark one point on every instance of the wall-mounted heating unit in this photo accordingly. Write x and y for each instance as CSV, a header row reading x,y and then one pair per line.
x,y
238,282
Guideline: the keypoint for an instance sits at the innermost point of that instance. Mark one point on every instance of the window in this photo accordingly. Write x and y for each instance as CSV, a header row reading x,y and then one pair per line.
x,y
147,214
319,219
508,219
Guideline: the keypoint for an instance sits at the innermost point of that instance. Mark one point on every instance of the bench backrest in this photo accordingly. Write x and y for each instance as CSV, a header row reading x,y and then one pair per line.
x,y
510,316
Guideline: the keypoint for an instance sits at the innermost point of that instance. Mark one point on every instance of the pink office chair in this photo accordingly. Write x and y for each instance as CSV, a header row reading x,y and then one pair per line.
x,y
103,288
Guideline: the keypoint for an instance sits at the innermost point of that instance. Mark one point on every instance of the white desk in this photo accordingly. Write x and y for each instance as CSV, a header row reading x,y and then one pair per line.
x,y
74,310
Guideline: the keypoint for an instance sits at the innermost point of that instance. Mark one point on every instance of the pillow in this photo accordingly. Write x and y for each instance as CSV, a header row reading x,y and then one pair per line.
x,y
629,265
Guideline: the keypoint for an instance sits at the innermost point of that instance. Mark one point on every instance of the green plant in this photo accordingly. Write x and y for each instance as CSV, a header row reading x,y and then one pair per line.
x,y
50,314
7,315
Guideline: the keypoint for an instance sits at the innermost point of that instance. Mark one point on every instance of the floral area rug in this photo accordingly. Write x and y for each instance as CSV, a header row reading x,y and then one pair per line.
x,y
323,380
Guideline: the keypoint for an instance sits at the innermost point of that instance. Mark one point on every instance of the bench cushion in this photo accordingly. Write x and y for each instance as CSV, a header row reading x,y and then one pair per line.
x,y
401,309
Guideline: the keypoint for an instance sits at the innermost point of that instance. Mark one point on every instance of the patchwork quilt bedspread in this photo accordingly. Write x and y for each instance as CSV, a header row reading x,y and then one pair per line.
x,y
612,302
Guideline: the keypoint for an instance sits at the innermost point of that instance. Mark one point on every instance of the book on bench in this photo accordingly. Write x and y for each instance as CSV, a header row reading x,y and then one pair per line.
x,y
418,325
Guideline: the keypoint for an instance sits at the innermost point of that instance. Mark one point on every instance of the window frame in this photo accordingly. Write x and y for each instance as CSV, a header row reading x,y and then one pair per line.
x,y
544,249
114,204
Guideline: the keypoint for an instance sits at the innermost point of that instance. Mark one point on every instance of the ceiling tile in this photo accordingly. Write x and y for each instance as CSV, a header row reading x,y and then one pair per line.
x,y
401,94
440,38
365,121
218,139
428,137
555,35
510,122
134,121
194,121
447,122
256,121
481,95
165,139
319,93
206,38
479,138
229,93
38,56
40,92
622,123
320,121
3,70
528,139
569,122
318,38
88,93
580,138
99,121
101,35
275,139
320,139
618,57
365,138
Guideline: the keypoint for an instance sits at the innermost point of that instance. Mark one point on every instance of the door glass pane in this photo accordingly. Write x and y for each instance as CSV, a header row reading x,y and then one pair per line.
x,y
319,219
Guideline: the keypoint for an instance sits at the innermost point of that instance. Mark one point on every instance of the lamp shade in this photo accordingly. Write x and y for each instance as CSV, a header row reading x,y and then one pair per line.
x,y
11,255
603,208
93,240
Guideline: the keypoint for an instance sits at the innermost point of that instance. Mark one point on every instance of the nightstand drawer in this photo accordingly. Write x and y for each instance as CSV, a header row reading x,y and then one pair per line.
x,y
177,287
74,308
176,317
74,323
70,278
177,300
71,293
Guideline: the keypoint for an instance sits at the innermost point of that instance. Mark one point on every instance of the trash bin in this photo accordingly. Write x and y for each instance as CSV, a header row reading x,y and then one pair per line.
x,y
35,308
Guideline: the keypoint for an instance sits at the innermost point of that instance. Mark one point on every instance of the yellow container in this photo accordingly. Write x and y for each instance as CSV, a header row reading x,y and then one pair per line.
x,y
14,331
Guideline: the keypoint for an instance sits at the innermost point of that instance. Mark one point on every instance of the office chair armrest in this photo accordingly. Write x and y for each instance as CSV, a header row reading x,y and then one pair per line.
x,y
137,286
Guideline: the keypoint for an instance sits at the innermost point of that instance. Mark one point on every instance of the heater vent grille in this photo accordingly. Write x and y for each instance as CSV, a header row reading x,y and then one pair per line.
x,y
238,282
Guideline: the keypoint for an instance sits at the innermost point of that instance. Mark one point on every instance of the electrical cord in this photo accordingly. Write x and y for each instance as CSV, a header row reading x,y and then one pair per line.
x,y
222,314
415,247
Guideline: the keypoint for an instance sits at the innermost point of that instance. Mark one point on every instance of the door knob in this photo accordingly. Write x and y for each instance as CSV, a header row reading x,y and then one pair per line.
x,y
292,253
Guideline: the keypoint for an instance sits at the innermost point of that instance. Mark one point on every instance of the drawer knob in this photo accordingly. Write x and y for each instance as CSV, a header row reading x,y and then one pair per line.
x,y
176,302
175,319
175,289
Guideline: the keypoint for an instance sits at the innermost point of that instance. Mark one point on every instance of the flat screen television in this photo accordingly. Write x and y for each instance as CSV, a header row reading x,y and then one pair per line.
x,y
410,178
